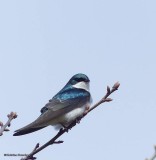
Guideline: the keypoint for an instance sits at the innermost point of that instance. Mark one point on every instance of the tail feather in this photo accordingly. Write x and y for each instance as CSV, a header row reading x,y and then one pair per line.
x,y
26,131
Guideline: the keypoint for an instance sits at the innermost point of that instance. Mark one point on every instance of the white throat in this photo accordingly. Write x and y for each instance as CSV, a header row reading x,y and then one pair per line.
x,y
82,85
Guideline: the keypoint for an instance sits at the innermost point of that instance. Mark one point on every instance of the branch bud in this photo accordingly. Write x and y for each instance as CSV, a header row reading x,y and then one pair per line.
x,y
1,123
12,115
108,89
37,145
116,85
108,99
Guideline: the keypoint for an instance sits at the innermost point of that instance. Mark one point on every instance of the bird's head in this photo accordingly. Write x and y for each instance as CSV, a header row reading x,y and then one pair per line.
x,y
80,81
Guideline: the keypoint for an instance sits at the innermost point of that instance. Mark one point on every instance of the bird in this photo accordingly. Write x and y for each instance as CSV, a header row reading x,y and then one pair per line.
x,y
71,102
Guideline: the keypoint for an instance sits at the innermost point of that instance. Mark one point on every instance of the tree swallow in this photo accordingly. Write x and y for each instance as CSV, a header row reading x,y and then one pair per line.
x,y
71,102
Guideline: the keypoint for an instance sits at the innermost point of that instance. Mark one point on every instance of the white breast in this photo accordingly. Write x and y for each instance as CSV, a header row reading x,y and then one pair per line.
x,y
72,115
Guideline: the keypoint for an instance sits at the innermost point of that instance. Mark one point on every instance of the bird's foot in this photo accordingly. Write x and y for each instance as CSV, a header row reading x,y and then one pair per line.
x,y
77,121
66,128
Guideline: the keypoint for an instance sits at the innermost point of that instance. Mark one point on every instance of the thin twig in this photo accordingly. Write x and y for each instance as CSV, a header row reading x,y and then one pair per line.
x,y
105,98
10,116
154,155
63,130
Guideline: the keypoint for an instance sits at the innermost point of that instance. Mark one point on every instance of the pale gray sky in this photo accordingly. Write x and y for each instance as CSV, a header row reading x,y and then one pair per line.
x,y
44,43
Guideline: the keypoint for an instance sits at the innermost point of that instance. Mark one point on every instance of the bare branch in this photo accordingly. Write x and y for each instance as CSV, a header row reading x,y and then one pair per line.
x,y
63,130
105,99
154,155
10,116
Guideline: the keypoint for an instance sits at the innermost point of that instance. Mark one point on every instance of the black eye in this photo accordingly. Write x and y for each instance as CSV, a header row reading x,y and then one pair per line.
x,y
79,79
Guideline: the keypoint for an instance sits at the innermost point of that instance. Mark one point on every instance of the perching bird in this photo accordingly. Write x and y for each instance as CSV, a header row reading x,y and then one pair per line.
x,y
66,106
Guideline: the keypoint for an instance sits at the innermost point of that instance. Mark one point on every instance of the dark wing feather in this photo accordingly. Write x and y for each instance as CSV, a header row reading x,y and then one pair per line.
x,y
59,105
66,98
26,131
